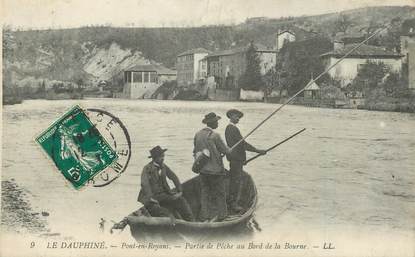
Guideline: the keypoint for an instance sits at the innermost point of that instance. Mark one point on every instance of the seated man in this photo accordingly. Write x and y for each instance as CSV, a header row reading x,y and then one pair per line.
x,y
155,192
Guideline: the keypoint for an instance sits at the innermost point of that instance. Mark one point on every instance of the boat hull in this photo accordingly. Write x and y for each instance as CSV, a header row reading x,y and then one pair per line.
x,y
144,227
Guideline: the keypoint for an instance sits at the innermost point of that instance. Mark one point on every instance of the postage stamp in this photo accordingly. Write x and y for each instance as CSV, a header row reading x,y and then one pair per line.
x,y
76,147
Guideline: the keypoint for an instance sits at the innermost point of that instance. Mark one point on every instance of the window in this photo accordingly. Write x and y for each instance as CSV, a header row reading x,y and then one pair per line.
x,y
138,77
146,77
153,77
127,76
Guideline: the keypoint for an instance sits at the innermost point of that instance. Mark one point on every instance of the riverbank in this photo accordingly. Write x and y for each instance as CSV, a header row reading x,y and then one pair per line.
x,y
390,105
17,214
384,104
50,95
10,100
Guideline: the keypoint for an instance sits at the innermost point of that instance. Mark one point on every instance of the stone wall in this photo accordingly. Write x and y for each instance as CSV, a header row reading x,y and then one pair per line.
x,y
249,95
223,95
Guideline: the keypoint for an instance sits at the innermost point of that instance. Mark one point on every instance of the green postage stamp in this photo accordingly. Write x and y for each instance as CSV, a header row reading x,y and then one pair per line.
x,y
76,147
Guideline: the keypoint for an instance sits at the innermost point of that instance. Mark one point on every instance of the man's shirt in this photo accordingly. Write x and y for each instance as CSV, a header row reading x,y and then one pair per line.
x,y
233,136
209,139
154,183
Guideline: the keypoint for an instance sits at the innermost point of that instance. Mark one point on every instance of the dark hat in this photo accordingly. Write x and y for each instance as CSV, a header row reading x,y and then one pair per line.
x,y
234,111
156,152
210,117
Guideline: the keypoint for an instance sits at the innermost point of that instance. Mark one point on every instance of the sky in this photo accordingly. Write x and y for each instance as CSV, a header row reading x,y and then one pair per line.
x,y
165,13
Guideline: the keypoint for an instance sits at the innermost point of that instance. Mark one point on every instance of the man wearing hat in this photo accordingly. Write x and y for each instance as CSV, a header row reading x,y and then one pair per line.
x,y
236,158
155,192
213,193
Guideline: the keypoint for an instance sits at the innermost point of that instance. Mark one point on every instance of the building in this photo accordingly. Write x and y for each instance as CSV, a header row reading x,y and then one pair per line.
x,y
346,70
408,50
188,66
291,34
202,70
312,91
102,84
141,81
254,20
283,37
406,38
411,65
228,66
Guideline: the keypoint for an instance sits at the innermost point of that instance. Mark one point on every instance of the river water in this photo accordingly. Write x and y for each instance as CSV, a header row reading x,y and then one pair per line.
x,y
350,173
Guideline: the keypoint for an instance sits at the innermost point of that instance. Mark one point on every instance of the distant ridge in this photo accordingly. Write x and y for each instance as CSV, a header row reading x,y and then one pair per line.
x,y
96,53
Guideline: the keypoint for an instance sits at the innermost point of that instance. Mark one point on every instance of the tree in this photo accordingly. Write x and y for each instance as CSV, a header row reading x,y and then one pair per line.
x,y
80,84
298,61
396,84
370,76
42,88
372,28
342,23
275,78
9,42
9,46
251,79
271,80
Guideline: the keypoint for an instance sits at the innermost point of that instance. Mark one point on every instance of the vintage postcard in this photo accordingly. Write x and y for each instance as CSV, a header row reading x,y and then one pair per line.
x,y
208,128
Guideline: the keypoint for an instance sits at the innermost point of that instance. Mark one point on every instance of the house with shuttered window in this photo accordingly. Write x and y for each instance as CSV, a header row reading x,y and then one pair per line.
x,y
348,69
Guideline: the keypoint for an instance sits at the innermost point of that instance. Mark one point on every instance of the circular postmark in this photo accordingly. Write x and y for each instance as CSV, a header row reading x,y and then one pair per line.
x,y
89,147
116,134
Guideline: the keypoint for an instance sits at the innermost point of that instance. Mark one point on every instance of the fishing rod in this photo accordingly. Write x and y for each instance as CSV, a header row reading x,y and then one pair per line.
x,y
308,84
274,146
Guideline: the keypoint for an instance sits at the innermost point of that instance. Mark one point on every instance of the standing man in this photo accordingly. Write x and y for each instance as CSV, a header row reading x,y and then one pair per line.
x,y
212,173
236,158
155,192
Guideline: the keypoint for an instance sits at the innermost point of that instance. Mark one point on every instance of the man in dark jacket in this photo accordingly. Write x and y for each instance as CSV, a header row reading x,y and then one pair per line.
x,y
155,192
236,158
213,191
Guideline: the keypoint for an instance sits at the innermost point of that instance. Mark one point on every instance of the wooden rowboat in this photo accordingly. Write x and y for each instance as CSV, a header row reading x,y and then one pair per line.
x,y
144,227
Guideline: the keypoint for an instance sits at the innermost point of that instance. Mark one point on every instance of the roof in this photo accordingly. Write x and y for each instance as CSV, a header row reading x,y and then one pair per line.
x,y
299,32
195,51
349,38
284,31
262,48
312,86
340,35
152,67
362,51
259,48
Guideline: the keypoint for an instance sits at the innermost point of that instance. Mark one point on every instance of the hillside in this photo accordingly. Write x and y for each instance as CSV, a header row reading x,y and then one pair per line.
x,y
89,54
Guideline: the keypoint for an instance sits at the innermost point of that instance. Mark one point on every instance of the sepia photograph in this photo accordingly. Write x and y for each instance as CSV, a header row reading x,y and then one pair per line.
x,y
208,128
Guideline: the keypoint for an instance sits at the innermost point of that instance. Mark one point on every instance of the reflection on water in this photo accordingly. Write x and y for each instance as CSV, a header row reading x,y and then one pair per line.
x,y
349,167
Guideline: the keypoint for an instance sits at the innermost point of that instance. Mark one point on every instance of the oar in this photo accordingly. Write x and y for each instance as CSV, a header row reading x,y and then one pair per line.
x,y
274,146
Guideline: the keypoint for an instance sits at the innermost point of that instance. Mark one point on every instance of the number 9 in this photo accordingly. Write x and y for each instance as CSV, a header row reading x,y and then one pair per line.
x,y
32,244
